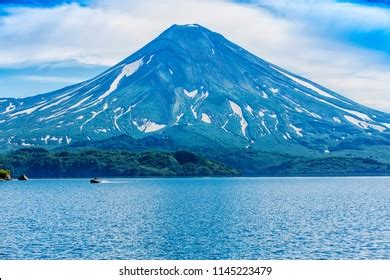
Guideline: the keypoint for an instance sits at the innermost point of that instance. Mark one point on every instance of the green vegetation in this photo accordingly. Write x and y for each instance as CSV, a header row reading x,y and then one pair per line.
x,y
41,163
289,161
257,163
5,174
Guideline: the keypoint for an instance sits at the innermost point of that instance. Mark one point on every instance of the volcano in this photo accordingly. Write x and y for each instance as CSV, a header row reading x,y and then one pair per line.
x,y
197,89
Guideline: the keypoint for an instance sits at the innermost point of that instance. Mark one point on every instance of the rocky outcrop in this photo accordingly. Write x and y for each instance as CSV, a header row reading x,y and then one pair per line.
x,y
5,175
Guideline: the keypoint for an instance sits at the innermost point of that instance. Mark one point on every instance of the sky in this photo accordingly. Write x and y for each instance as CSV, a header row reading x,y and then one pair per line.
x,y
342,45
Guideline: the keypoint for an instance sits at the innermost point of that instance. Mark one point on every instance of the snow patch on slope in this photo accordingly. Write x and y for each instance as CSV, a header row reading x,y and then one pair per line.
x,y
198,102
224,126
26,111
363,124
121,114
336,119
45,139
352,112
299,110
314,115
150,59
79,103
265,127
178,119
206,118
190,94
54,103
297,130
249,109
9,108
287,136
127,71
261,113
386,124
194,112
306,84
237,111
148,126
94,115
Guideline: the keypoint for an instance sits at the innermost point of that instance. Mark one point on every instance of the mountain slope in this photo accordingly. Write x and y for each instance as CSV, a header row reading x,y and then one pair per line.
x,y
199,89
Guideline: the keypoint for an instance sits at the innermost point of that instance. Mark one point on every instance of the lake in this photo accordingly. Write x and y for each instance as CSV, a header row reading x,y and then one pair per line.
x,y
196,218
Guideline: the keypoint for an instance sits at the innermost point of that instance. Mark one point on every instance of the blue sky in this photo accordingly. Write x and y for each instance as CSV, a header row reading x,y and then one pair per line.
x,y
344,45
41,3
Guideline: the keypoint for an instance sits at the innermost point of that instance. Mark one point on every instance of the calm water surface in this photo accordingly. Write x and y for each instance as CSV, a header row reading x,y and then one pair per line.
x,y
202,218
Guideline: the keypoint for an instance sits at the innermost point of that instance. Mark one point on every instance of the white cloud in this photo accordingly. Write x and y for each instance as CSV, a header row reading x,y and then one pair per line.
x,y
329,12
111,30
50,79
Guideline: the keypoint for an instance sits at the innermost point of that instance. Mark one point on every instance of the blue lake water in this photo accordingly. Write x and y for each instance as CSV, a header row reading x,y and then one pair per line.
x,y
196,218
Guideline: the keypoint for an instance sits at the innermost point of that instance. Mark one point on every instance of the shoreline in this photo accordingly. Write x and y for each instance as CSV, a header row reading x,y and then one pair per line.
x,y
205,177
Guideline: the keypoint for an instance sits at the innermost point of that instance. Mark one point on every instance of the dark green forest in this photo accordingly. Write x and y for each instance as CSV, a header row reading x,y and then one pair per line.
x,y
352,161
258,163
41,163
93,162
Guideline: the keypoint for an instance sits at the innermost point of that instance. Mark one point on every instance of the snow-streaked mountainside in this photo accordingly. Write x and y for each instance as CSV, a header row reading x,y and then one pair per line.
x,y
197,88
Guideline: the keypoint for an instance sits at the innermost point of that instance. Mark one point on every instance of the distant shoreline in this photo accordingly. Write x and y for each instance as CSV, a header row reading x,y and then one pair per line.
x,y
91,163
213,177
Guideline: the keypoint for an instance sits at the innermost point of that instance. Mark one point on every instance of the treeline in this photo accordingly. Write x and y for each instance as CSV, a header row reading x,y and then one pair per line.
x,y
331,166
41,163
257,163
357,161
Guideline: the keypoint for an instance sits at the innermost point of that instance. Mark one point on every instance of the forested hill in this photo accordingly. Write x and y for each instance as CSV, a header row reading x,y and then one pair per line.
x,y
41,163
